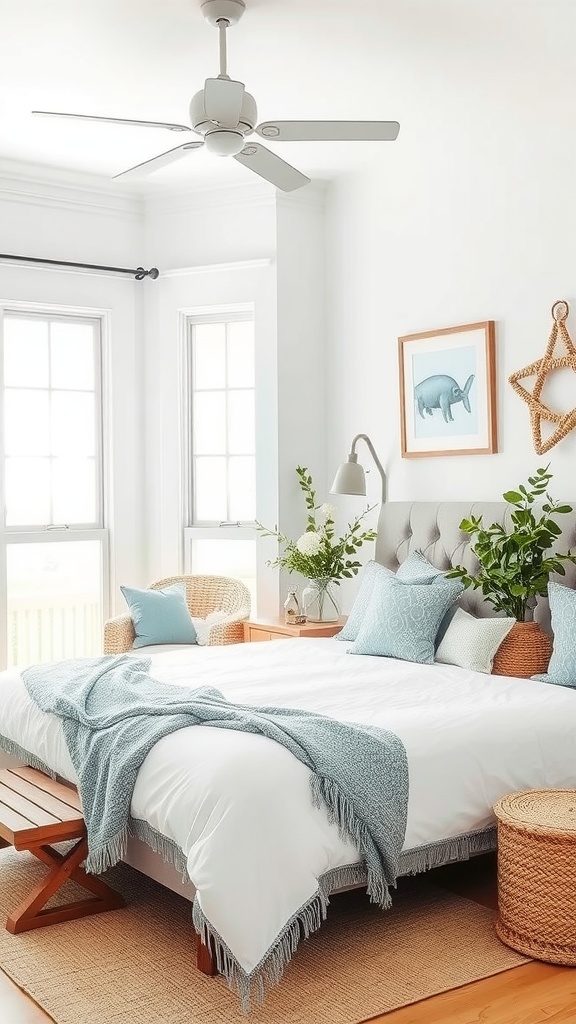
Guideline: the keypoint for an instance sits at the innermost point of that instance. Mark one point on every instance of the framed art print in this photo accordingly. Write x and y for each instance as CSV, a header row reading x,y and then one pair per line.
x,y
448,392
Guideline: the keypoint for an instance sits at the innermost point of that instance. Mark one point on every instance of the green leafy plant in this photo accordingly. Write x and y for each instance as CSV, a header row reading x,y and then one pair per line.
x,y
514,564
318,553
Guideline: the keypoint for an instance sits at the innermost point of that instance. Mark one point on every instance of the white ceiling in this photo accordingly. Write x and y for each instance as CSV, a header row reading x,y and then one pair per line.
x,y
146,58
427,63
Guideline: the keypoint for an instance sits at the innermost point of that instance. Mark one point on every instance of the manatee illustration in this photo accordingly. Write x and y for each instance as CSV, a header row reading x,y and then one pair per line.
x,y
441,392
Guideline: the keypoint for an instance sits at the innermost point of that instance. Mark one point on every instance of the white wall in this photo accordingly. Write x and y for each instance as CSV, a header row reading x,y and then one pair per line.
x,y
225,247
81,223
469,216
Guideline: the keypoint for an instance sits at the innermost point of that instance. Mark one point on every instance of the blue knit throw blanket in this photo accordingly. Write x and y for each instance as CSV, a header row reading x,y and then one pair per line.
x,y
113,713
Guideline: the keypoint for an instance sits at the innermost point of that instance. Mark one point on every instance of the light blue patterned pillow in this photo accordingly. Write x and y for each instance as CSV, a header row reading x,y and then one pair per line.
x,y
562,667
372,572
417,569
402,619
160,616
414,569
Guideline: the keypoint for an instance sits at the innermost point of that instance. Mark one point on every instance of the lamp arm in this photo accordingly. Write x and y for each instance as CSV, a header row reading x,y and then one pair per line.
x,y
379,466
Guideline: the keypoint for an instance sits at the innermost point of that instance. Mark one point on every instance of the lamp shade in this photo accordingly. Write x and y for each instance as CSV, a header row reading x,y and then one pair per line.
x,y
350,478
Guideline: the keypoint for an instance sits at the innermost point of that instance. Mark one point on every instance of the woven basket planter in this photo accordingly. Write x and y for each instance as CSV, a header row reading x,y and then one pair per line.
x,y
524,652
537,874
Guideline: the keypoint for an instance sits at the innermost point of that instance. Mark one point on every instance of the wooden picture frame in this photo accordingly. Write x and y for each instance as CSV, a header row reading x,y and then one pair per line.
x,y
448,391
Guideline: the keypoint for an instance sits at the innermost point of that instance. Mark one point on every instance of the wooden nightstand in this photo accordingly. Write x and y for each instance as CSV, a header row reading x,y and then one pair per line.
x,y
276,629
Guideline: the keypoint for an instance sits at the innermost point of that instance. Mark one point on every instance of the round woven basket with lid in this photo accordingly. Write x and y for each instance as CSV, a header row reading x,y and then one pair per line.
x,y
537,873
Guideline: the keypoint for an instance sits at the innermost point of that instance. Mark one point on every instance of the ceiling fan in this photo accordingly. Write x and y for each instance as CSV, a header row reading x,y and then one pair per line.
x,y
224,114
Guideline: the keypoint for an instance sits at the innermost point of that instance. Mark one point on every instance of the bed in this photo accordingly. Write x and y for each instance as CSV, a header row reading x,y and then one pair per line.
x,y
232,812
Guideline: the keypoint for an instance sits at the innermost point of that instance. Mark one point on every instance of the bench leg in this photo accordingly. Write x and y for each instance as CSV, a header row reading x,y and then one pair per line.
x,y
63,867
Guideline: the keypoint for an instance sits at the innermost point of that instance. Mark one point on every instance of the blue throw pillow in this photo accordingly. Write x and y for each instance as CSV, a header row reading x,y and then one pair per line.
x,y
402,619
417,569
371,573
414,569
562,667
160,616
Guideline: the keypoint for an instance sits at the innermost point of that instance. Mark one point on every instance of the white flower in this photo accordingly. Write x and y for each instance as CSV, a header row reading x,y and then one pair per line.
x,y
309,543
327,510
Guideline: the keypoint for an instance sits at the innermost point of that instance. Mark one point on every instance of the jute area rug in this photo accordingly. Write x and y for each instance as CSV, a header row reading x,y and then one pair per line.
x,y
137,965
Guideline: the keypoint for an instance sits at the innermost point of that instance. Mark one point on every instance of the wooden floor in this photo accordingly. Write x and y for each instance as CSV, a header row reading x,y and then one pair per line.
x,y
532,994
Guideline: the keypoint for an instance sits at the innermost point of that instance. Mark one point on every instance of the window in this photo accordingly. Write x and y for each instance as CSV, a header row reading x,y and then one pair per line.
x,y
220,464
54,543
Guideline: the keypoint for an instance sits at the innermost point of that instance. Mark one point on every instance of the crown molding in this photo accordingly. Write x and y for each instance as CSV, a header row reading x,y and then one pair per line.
x,y
176,201
211,268
41,185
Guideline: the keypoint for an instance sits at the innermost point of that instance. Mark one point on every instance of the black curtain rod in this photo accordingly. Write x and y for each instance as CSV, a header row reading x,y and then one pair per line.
x,y
139,273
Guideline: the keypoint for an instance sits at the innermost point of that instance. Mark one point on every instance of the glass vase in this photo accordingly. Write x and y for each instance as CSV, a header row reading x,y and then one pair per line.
x,y
319,602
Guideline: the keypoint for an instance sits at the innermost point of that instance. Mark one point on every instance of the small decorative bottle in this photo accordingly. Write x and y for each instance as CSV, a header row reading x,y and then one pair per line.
x,y
291,608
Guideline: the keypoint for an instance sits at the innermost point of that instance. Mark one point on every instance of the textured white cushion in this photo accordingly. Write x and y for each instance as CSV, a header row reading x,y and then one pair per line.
x,y
472,643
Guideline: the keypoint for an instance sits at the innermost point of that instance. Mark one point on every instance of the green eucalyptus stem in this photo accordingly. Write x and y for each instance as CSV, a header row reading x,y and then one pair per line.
x,y
318,553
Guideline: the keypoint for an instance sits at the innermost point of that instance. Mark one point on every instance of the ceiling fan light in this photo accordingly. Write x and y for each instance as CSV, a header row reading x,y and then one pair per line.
x,y
224,142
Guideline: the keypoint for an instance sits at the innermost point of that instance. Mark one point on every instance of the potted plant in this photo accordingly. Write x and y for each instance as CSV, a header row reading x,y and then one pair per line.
x,y
319,554
516,562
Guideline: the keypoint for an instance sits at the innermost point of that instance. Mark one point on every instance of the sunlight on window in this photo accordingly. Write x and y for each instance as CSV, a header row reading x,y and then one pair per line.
x,y
241,428
54,415
72,356
210,489
27,483
52,469
73,491
72,423
235,558
25,353
240,354
209,423
242,487
26,422
209,356
54,600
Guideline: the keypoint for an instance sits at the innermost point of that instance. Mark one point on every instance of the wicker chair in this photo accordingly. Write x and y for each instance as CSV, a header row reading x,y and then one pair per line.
x,y
204,594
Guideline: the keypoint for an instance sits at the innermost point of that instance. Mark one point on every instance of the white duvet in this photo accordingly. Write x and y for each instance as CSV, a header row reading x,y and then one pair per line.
x,y
239,805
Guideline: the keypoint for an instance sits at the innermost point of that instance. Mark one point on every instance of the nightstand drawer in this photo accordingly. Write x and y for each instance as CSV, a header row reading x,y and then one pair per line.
x,y
252,634
270,629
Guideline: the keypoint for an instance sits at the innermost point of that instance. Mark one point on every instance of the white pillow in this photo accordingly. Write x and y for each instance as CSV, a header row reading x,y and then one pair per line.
x,y
203,626
472,643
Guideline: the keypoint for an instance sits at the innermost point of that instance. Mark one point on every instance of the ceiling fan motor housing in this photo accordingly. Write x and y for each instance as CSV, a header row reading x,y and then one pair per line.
x,y
202,123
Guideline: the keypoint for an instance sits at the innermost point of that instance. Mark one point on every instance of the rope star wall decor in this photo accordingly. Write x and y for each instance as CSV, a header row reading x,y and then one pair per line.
x,y
541,368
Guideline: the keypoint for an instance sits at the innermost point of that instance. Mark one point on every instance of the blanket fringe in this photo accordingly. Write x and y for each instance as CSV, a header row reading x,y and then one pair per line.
x,y
14,750
103,857
424,858
253,986
166,848
341,812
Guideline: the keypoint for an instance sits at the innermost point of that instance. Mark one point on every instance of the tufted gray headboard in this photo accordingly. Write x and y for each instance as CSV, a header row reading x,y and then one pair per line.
x,y
433,528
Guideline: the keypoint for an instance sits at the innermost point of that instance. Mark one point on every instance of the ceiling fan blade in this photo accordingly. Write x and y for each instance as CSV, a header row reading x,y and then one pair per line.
x,y
115,120
156,162
265,163
223,101
329,131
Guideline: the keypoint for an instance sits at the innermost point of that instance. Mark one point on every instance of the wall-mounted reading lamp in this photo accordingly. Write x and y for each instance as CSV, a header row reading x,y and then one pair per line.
x,y
350,477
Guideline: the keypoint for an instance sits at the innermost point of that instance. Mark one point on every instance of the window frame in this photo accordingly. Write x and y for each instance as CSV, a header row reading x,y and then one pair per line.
x,y
50,533
207,529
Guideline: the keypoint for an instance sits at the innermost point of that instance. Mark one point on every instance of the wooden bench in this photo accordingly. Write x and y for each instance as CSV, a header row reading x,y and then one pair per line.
x,y
36,811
